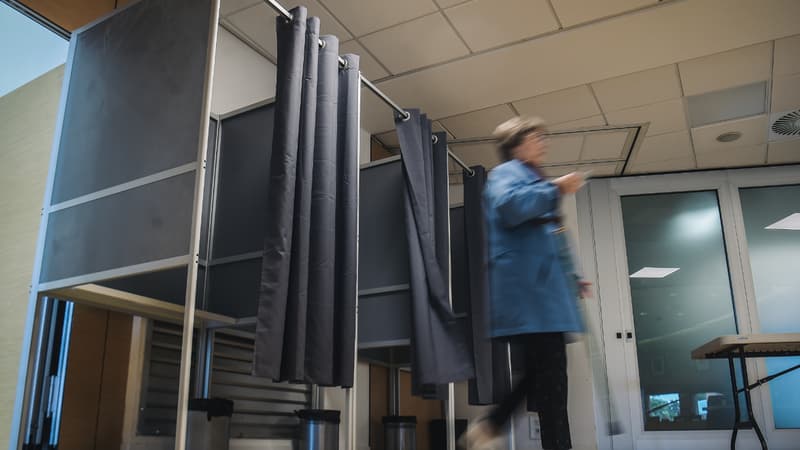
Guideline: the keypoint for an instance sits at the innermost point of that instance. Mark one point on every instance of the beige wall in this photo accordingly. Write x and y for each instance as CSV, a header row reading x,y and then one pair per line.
x,y
27,122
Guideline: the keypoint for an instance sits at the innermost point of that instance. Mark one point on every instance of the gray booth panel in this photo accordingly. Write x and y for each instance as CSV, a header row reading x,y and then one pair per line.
x,y
383,247
384,318
135,96
144,224
208,188
233,288
459,271
244,164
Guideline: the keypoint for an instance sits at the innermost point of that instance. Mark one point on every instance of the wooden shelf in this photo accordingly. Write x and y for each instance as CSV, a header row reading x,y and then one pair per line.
x,y
116,300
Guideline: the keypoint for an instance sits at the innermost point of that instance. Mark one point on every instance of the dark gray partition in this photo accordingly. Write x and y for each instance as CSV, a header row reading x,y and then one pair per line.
x,y
135,96
384,310
233,288
243,183
383,248
136,226
208,188
123,188
459,271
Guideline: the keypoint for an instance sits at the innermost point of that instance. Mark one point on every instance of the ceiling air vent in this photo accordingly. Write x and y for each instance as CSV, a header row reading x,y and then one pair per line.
x,y
787,124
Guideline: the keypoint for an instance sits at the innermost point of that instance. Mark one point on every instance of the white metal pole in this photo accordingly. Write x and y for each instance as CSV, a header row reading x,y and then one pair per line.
x,y
191,277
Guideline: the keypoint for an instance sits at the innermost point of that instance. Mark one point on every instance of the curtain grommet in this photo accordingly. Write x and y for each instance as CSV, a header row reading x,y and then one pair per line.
x,y
434,138
406,116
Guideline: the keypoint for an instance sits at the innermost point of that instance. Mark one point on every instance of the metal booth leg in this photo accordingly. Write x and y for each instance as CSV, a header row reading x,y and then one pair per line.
x,y
749,402
737,413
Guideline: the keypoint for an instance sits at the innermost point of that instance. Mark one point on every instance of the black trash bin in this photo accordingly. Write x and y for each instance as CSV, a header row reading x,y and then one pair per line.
x,y
208,425
400,432
319,429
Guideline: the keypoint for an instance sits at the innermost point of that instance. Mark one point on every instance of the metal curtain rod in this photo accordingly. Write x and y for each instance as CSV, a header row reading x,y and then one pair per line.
x,y
285,13
403,113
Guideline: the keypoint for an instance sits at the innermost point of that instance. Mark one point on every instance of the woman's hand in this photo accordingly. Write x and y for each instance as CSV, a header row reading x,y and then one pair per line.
x,y
569,183
585,288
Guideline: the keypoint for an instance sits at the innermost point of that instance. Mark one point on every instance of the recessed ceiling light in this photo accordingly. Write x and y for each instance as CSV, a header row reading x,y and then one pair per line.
x,y
729,136
790,222
654,272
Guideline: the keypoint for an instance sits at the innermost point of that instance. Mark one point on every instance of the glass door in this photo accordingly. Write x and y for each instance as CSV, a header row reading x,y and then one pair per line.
x,y
681,298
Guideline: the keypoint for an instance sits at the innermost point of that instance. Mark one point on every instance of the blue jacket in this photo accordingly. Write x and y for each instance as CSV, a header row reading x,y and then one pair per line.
x,y
532,280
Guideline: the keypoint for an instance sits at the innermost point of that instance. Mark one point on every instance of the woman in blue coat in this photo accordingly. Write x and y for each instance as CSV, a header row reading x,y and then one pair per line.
x,y
533,283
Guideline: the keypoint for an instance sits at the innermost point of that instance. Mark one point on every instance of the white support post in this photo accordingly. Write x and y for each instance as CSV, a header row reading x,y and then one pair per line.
x,y
191,276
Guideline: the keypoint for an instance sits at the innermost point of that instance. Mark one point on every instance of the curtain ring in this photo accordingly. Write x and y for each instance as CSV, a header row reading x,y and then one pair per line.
x,y
322,44
406,116
434,138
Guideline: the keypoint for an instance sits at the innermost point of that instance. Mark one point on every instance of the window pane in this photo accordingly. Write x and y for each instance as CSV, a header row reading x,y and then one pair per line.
x,y
29,49
681,295
772,227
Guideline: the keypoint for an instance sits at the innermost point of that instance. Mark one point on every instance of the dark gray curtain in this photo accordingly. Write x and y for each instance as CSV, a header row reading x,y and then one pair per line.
x,y
305,329
492,380
439,344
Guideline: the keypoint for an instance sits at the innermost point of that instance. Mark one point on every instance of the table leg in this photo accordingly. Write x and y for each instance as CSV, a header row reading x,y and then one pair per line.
x,y
737,412
749,402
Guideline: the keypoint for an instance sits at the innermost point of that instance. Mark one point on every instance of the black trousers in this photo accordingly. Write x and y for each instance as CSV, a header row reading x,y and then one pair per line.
x,y
545,381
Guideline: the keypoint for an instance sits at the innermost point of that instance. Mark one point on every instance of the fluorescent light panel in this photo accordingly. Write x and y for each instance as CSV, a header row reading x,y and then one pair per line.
x,y
727,104
790,222
654,272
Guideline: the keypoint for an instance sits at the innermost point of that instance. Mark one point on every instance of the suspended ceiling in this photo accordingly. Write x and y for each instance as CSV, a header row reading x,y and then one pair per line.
x,y
687,71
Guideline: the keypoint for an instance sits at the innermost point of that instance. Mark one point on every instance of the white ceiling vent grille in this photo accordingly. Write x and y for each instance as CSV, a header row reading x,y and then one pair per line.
x,y
784,125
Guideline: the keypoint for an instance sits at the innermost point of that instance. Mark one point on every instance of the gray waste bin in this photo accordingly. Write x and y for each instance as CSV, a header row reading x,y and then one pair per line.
x,y
319,429
400,432
208,426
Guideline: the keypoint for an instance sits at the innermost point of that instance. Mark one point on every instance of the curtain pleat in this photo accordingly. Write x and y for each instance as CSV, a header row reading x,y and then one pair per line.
x,y
492,378
275,266
439,345
305,327
347,221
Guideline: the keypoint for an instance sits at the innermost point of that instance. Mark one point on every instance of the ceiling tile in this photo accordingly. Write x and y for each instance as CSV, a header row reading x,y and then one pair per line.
x,y
604,145
753,129
787,56
651,38
572,12
557,171
367,64
560,106
732,157
376,116
727,69
478,123
449,3
227,7
589,122
564,148
490,23
665,152
473,154
595,169
786,93
637,89
362,17
421,42
784,152
437,127
601,169
258,23
664,117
